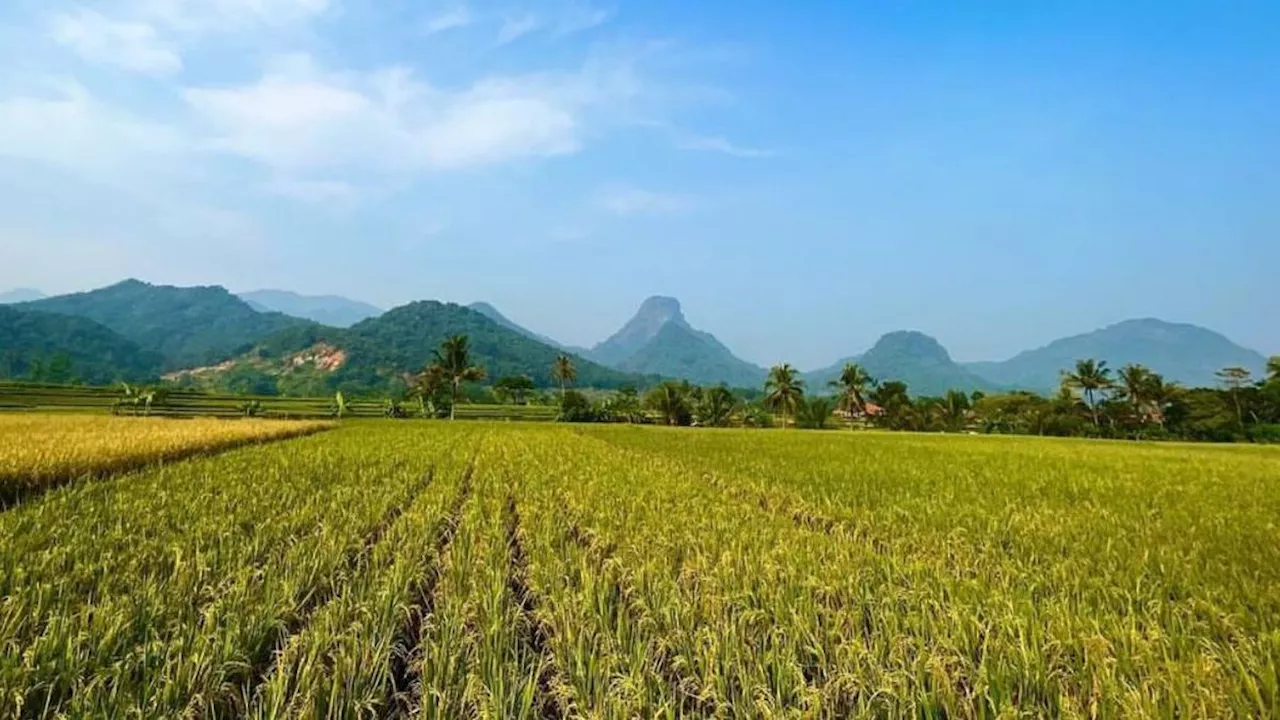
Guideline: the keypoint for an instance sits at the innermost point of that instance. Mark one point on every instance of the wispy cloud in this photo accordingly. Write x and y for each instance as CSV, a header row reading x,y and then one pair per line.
x,y
516,27
134,46
627,201
721,145
456,17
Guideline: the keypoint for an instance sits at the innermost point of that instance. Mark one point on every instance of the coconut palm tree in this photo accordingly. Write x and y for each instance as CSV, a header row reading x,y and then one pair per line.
x,y
783,390
953,408
1273,368
453,358
1091,377
715,406
564,372
814,412
671,401
1234,378
852,385
1135,383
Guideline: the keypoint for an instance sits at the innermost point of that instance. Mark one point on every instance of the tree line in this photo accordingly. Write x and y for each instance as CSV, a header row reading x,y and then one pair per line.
x,y
1093,400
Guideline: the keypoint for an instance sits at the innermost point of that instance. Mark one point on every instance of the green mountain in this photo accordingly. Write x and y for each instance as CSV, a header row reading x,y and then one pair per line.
x,y
331,310
376,354
911,357
60,348
188,326
402,340
659,341
18,295
492,313
679,351
1184,353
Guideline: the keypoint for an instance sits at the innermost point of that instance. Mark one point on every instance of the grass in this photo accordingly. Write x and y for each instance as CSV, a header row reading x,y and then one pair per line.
x,y
515,570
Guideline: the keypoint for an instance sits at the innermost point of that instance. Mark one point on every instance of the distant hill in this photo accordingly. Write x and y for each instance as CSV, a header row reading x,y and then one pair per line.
x,y
331,310
911,357
375,354
492,313
402,339
18,295
679,351
187,326
658,340
1184,353
31,338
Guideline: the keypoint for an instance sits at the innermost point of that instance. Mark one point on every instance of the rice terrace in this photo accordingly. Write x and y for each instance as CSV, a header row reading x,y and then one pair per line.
x,y
518,570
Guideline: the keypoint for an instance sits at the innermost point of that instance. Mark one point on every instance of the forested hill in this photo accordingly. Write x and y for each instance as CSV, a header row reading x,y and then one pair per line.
x,y
61,348
187,326
1183,353
402,340
911,357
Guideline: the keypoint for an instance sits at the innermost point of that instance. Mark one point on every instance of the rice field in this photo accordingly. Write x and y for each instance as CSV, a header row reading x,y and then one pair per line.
x,y
38,452
502,570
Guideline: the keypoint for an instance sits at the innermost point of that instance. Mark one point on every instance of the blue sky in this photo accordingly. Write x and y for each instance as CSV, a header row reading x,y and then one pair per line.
x,y
803,176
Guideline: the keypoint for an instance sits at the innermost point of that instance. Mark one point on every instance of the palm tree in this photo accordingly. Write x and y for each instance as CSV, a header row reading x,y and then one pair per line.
x,y
814,412
453,358
1235,378
564,372
671,401
954,409
783,390
1090,376
716,405
1273,368
1135,383
1161,395
852,384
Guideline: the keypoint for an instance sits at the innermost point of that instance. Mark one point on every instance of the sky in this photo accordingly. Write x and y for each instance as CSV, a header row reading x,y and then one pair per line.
x,y
803,176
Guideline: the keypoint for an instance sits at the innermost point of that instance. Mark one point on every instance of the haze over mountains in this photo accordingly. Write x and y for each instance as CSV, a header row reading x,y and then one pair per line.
x,y
134,330
331,310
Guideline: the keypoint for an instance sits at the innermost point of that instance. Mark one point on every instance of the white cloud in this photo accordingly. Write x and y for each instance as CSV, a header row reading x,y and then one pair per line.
x,y
197,16
631,201
300,118
133,46
316,191
721,145
71,129
513,28
456,17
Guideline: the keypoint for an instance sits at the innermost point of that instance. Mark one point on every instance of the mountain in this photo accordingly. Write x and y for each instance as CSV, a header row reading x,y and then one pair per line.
x,y
679,351
1184,353
911,357
659,341
188,326
332,310
640,329
492,313
18,295
34,344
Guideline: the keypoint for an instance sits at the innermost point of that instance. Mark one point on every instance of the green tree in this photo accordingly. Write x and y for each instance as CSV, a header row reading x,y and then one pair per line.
x,y
954,409
563,371
1273,368
716,406
783,390
453,357
1134,382
852,387
671,401
814,412
1234,378
1091,377
515,387
895,404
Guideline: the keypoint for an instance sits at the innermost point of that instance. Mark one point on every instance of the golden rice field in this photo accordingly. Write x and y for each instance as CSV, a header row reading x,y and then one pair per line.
x,y
38,451
485,570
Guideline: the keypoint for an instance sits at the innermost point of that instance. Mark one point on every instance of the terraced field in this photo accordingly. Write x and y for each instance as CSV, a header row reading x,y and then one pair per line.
x,y
503,570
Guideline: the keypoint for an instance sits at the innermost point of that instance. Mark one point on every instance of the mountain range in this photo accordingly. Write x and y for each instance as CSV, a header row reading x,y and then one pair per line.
x,y
134,330
332,310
